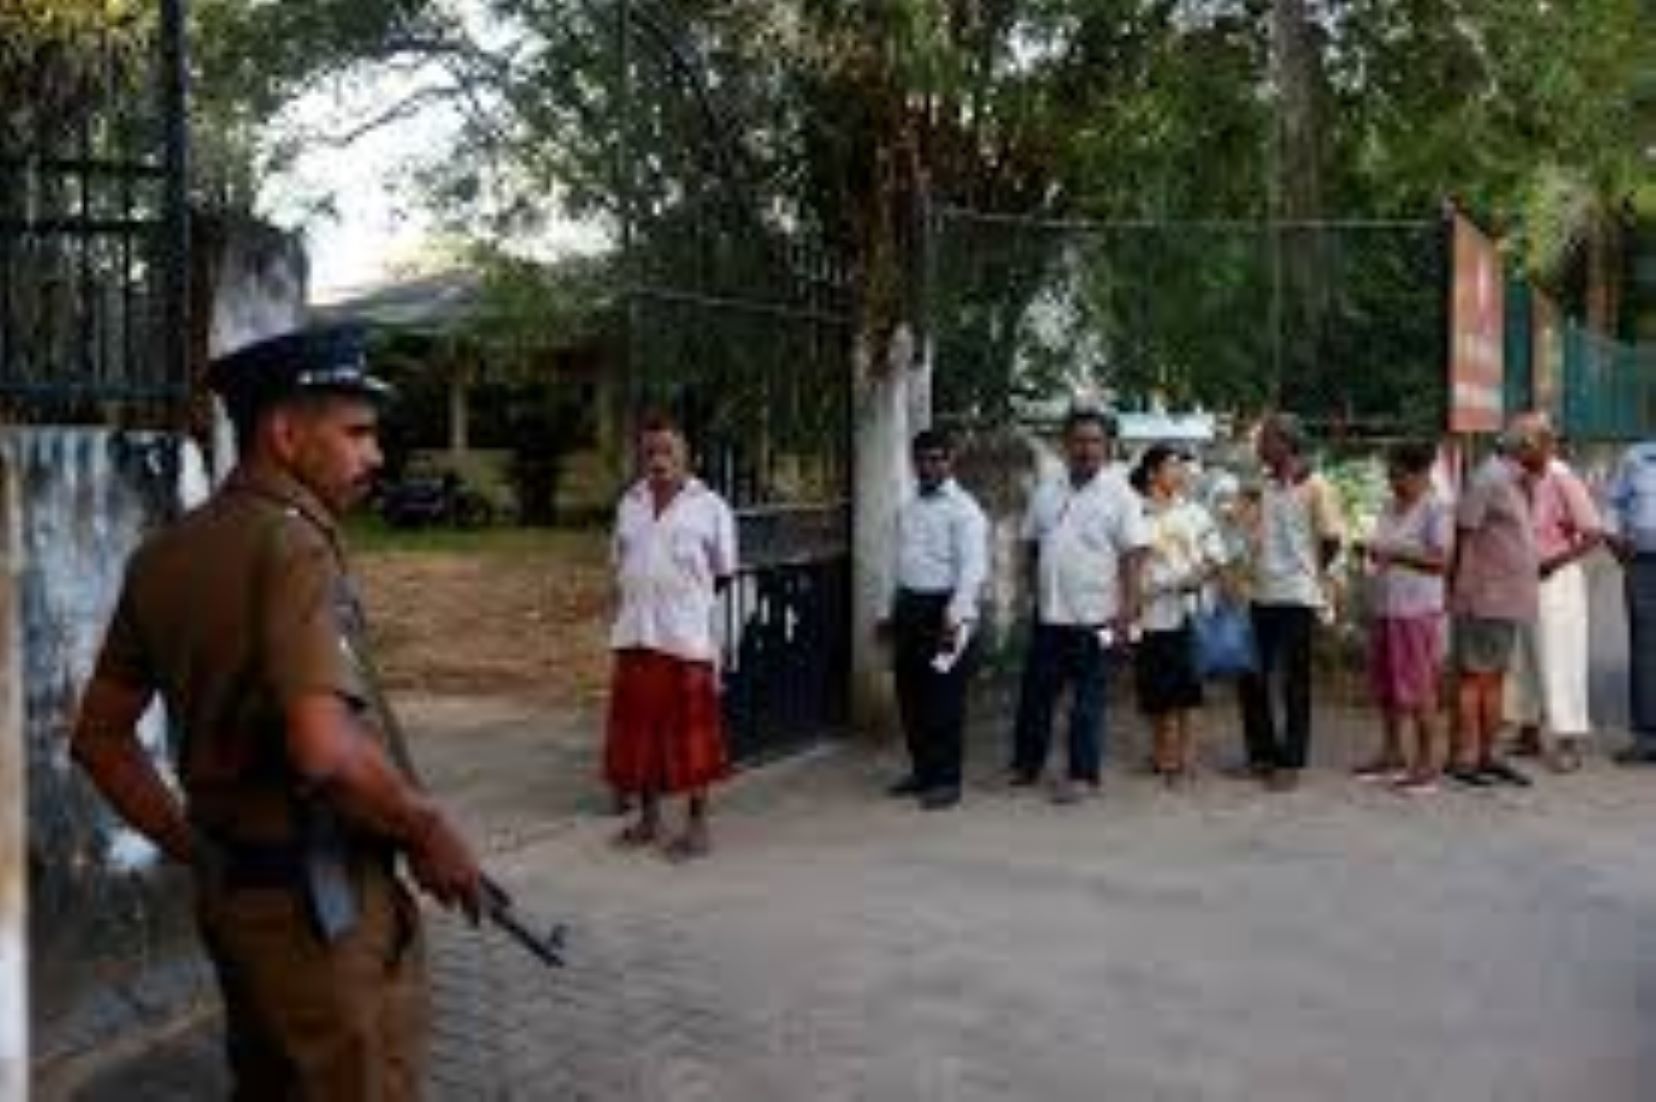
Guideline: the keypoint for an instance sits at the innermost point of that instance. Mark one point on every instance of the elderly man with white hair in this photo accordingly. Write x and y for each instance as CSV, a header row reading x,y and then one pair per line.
x,y
1546,696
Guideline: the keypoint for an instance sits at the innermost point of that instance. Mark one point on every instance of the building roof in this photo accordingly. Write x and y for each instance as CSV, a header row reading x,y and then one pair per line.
x,y
431,304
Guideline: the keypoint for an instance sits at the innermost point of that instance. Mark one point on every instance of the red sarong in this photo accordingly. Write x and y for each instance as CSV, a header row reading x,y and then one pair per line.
x,y
665,733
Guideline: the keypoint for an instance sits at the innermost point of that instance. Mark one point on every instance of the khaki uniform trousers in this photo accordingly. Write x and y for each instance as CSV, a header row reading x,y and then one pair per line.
x,y
307,1021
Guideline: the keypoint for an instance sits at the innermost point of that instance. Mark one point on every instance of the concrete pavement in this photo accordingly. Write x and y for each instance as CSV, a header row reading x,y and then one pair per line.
x,y
1338,943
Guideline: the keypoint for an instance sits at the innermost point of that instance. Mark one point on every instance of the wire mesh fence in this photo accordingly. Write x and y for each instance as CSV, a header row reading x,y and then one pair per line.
x,y
1341,321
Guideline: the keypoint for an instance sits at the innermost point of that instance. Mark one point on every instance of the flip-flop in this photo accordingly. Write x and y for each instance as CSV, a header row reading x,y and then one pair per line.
x,y
635,836
1565,759
684,848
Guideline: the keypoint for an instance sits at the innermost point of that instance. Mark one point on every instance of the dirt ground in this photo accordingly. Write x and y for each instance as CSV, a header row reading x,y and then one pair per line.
x,y
519,615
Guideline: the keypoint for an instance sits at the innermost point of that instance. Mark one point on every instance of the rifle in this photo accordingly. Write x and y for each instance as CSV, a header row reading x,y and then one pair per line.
x,y
498,907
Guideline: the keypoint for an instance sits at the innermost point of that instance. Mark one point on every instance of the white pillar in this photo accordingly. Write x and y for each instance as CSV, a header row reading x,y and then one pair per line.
x,y
893,402
14,972
459,417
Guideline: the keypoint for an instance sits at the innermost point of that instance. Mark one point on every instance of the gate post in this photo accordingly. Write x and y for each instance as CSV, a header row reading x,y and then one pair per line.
x,y
14,977
892,403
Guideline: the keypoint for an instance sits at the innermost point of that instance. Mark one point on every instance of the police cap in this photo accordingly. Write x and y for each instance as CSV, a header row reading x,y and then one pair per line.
x,y
329,359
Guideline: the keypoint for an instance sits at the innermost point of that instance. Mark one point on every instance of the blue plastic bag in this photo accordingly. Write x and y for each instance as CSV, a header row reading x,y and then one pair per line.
x,y
1222,641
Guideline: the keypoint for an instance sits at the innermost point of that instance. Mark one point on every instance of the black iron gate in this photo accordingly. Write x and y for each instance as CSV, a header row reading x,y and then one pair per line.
x,y
93,217
738,325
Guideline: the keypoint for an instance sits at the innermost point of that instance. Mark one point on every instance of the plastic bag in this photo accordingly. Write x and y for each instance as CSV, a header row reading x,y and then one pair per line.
x,y
1222,641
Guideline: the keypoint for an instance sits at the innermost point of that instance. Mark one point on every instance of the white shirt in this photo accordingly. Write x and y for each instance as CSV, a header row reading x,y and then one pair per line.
x,y
1294,520
667,566
1185,545
1082,533
943,547
1630,499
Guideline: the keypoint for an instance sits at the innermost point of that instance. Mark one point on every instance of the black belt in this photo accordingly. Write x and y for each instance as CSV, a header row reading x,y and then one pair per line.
x,y
260,865
255,865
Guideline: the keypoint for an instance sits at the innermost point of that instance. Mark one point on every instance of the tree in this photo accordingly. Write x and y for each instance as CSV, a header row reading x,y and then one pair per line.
x,y
830,118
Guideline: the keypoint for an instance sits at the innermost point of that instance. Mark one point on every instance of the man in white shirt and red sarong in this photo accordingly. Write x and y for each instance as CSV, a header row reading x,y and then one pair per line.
x,y
674,549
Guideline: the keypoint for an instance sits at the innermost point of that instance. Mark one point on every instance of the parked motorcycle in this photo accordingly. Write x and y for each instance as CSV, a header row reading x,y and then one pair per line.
x,y
433,498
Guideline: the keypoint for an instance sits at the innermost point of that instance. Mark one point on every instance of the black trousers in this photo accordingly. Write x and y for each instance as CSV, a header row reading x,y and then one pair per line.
x,y
1640,580
1282,634
932,704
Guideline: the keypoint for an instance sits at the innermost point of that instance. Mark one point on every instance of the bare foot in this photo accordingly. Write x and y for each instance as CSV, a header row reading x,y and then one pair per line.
x,y
695,842
635,835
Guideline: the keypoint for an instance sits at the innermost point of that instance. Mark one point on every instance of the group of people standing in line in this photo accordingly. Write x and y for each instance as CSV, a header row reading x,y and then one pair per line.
x,y
1485,596
1121,558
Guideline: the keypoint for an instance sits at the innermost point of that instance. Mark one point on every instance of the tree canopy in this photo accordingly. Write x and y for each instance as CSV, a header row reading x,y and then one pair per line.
x,y
831,118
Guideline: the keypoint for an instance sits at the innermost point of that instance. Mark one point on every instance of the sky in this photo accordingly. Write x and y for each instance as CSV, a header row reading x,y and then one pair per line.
x,y
355,204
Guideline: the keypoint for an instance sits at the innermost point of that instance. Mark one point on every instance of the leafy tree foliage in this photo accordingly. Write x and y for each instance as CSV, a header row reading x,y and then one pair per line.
x,y
722,129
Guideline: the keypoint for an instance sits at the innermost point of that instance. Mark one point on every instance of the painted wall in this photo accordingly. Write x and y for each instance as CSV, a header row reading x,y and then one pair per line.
x,y
106,920
253,283
893,402
14,1014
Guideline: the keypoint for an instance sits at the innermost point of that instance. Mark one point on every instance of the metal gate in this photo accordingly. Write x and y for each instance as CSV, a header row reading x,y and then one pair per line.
x,y
738,324
92,218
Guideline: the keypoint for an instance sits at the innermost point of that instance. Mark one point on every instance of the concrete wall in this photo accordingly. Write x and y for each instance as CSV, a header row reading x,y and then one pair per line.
x,y
108,925
14,1036
252,282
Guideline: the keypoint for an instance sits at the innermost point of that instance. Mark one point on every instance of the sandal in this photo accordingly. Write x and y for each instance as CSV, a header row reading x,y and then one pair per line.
x,y
1379,769
1565,758
687,847
636,836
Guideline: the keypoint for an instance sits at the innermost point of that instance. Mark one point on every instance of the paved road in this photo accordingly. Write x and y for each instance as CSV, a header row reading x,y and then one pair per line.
x,y
1336,943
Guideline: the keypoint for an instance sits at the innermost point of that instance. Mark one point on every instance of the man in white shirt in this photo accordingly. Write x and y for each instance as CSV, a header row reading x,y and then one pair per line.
x,y
674,549
1086,536
942,564
1299,536
1630,515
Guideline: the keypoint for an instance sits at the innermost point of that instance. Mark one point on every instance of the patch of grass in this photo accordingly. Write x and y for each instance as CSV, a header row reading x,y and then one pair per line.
x,y
369,534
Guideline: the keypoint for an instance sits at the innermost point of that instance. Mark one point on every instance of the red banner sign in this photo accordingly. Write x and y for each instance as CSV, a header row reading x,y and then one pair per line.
x,y
1477,315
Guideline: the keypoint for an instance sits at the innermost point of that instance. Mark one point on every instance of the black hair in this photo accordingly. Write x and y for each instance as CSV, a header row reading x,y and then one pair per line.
x,y
246,411
656,420
1411,456
1088,415
932,440
1153,459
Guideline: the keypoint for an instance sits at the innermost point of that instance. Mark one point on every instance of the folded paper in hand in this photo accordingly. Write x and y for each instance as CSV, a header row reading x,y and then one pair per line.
x,y
945,660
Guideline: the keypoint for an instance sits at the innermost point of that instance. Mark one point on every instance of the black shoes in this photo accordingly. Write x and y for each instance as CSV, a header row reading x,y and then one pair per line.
x,y
1636,754
940,798
1469,775
1487,774
933,798
1502,773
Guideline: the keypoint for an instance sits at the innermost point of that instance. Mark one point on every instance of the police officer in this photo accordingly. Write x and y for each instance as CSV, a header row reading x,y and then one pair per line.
x,y
297,798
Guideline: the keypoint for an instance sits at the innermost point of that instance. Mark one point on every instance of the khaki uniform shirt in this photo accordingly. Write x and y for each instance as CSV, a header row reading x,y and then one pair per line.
x,y
241,606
